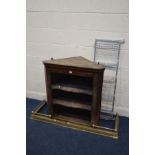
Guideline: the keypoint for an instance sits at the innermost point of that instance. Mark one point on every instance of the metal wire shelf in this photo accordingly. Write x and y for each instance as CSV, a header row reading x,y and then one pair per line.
x,y
107,53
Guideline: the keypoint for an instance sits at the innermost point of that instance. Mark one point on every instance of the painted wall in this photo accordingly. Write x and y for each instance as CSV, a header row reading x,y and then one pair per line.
x,y
65,28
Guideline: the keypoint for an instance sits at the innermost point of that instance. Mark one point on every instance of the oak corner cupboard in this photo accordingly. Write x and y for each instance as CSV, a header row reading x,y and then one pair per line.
x,y
74,89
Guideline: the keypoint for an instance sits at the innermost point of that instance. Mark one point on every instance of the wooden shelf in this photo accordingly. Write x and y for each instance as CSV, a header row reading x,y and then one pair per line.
x,y
71,119
72,88
72,81
72,104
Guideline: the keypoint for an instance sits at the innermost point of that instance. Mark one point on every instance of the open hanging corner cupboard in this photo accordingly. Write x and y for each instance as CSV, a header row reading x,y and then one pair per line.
x,y
74,88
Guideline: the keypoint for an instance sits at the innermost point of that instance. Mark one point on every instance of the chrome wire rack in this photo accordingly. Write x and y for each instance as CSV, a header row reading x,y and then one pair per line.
x,y
107,52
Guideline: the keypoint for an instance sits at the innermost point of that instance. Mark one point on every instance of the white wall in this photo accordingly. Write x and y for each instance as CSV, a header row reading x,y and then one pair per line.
x,y
65,28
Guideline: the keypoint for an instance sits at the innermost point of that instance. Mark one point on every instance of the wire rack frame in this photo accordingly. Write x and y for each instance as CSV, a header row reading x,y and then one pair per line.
x,y
114,46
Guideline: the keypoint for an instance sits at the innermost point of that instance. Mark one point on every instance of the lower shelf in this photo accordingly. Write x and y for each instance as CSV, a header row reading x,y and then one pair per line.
x,y
72,120
72,114
71,103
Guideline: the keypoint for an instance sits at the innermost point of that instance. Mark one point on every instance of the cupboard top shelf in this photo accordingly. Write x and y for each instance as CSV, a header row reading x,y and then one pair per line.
x,y
79,62
72,88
